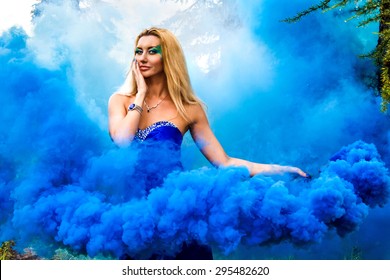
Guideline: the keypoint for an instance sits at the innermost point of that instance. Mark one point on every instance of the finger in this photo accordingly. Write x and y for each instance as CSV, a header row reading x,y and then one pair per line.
x,y
301,173
301,176
305,175
137,69
133,65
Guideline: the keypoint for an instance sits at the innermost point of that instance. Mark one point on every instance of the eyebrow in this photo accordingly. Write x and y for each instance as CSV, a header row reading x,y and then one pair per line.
x,y
148,48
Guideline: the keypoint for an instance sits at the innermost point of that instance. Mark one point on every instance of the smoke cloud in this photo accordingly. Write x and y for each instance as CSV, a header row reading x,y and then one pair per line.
x,y
276,93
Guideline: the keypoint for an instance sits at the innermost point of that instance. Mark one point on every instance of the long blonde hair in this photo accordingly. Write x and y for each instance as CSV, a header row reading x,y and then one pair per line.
x,y
175,69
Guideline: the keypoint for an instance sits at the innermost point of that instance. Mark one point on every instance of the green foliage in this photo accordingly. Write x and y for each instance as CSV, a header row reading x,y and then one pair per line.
x,y
385,90
366,12
7,252
321,6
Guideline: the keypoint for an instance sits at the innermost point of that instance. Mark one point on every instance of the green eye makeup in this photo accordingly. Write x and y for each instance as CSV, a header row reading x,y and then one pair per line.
x,y
156,49
153,50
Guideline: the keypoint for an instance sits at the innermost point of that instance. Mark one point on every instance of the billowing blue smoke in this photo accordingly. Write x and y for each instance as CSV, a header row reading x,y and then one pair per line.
x,y
63,183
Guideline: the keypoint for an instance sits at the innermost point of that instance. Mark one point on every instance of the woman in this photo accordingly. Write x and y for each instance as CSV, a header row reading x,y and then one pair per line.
x,y
158,91
155,107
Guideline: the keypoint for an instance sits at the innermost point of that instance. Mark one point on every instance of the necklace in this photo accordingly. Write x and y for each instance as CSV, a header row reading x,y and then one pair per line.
x,y
148,109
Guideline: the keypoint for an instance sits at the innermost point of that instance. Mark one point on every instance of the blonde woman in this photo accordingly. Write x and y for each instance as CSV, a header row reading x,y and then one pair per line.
x,y
154,108
157,101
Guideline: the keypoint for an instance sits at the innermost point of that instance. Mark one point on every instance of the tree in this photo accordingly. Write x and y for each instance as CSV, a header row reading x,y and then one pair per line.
x,y
7,251
366,12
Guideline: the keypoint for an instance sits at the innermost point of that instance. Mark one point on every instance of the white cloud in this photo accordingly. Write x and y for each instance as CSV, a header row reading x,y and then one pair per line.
x,y
16,13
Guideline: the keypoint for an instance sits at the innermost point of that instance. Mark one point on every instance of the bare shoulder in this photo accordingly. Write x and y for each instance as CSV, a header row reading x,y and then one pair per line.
x,y
119,100
196,113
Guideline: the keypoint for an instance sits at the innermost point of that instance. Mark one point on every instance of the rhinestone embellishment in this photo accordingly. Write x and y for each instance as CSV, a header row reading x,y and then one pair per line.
x,y
142,134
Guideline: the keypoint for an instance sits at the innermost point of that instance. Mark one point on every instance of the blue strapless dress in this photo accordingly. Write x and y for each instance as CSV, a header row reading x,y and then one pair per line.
x,y
159,147
159,153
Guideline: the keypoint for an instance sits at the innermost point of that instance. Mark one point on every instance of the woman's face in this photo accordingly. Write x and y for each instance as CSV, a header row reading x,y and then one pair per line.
x,y
149,56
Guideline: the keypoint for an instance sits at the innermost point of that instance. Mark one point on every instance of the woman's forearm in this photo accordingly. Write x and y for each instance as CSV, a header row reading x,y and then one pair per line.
x,y
126,127
266,169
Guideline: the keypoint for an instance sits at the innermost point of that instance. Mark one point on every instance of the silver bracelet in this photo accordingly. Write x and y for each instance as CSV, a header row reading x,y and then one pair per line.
x,y
136,107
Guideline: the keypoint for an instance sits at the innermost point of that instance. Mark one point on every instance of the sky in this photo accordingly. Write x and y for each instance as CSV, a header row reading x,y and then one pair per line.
x,y
16,12
295,94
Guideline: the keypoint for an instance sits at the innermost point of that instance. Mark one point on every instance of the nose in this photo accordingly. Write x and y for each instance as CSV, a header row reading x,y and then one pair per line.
x,y
142,57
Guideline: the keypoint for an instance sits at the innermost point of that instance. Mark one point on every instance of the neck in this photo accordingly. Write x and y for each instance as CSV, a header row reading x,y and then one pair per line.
x,y
157,87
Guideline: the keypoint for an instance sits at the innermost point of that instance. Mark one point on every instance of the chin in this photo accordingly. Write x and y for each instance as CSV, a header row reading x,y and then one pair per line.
x,y
146,76
149,75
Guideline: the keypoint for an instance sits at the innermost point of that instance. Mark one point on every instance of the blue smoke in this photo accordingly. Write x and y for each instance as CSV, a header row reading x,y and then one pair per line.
x,y
64,184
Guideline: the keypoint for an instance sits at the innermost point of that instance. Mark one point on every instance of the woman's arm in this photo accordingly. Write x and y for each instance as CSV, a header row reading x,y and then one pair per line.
x,y
214,152
123,123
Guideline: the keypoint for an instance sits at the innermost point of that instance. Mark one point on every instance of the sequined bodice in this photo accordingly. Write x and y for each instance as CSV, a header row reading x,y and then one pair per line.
x,y
160,131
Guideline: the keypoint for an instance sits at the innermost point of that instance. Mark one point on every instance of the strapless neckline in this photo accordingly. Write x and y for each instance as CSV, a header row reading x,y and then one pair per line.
x,y
143,134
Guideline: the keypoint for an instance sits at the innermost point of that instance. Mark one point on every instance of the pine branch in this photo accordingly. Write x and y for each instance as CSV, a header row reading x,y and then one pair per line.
x,y
321,6
342,3
366,12
369,20
370,10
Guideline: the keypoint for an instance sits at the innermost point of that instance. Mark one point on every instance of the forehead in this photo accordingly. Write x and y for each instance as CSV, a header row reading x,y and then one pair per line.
x,y
148,41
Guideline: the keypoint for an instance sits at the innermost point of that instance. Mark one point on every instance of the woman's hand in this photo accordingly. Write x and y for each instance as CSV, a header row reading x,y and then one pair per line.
x,y
142,88
295,170
268,169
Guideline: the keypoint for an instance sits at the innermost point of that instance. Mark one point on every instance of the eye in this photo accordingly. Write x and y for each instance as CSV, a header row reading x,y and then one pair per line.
x,y
138,51
153,51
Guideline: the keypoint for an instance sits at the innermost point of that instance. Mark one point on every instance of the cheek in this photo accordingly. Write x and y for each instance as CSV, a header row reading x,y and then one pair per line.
x,y
158,62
